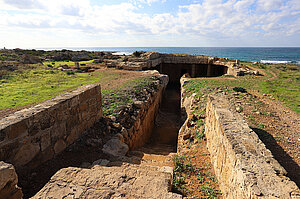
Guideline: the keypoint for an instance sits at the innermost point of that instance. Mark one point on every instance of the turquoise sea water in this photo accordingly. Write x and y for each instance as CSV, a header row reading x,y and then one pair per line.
x,y
262,54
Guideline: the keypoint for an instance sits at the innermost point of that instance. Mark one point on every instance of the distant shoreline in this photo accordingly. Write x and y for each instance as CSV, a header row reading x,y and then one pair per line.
x,y
273,55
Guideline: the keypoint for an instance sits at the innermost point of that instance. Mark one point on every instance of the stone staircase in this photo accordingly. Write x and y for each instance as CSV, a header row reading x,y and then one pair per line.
x,y
146,173
158,155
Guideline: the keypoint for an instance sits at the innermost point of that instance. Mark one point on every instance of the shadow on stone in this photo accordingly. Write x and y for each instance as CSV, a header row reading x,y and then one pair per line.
x,y
279,154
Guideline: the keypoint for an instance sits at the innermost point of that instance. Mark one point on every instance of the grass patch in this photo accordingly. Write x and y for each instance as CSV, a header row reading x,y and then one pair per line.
x,y
209,191
67,62
115,99
23,87
183,169
285,87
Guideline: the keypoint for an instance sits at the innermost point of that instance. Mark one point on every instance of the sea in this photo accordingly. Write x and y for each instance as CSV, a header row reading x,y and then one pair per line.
x,y
280,55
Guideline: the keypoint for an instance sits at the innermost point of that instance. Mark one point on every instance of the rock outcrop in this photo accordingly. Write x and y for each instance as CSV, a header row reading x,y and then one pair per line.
x,y
8,182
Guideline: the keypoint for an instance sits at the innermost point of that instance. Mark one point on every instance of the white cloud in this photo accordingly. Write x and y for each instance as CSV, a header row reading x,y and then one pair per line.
x,y
269,5
211,19
149,2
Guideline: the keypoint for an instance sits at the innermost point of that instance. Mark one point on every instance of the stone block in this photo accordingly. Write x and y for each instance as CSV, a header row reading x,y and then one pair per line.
x,y
92,102
7,149
26,153
44,156
115,147
7,174
82,126
74,101
45,120
84,96
34,129
84,115
45,140
59,146
18,129
83,107
58,131
92,91
72,136
72,121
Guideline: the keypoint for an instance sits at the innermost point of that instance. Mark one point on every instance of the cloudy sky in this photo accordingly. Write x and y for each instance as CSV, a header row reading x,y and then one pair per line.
x,y
117,23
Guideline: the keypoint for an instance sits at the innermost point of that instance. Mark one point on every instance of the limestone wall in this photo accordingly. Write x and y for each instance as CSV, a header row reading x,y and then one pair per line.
x,y
243,165
32,136
142,128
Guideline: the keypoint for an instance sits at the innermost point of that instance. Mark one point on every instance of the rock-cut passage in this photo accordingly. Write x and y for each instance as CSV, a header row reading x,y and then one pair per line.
x,y
162,145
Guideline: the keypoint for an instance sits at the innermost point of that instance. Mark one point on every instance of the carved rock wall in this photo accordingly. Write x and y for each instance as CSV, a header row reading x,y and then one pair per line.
x,y
245,168
142,128
32,136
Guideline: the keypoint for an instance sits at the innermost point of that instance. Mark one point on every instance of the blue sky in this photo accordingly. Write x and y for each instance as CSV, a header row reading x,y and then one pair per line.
x,y
153,23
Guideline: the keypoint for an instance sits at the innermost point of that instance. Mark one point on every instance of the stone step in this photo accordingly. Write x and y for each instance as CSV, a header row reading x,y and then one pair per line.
x,y
123,181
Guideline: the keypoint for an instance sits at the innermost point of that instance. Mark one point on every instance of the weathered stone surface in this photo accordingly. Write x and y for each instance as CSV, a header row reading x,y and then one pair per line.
x,y
8,182
26,153
115,147
196,62
125,181
59,146
45,141
101,162
243,165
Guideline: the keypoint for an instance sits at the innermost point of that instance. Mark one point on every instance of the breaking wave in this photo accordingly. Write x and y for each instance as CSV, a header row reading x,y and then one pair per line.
x,y
278,62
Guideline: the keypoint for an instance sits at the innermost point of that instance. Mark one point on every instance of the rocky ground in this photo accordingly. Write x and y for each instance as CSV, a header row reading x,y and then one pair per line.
x,y
276,125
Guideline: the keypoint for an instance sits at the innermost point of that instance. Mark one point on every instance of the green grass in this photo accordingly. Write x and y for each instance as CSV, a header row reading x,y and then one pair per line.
x,y
115,98
285,87
69,63
180,166
209,191
20,88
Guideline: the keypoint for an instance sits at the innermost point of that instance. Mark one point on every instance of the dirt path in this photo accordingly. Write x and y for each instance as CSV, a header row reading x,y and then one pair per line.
x,y
262,71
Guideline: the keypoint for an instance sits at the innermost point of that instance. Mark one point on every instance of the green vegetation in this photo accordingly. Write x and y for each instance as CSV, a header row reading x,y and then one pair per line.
x,y
239,89
67,62
184,169
200,134
286,88
114,99
281,81
180,167
209,191
23,87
